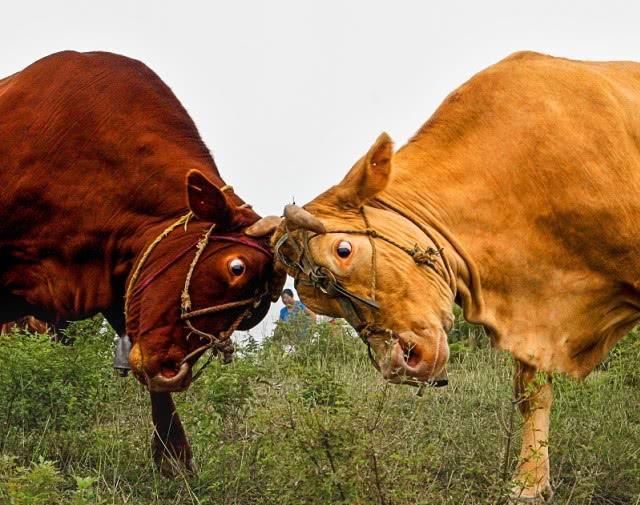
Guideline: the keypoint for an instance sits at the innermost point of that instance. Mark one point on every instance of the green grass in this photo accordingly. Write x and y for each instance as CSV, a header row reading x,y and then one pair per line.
x,y
314,425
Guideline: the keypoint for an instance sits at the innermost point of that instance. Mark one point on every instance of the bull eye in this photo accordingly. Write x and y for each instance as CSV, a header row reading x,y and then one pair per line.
x,y
237,267
343,249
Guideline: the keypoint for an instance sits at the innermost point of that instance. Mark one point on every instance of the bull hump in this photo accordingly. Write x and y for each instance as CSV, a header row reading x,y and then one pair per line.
x,y
94,123
92,147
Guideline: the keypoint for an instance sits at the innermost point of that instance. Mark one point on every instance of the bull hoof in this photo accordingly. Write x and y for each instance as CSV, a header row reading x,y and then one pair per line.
x,y
172,468
173,463
530,496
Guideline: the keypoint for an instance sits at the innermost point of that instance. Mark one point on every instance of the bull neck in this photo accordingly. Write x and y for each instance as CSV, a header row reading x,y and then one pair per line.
x,y
448,273
405,196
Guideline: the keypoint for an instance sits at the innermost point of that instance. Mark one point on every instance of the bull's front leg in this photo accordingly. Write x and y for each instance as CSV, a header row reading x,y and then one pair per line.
x,y
171,449
534,394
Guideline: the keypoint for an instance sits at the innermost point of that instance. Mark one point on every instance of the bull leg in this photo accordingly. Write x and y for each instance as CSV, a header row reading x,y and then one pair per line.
x,y
535,396
170,447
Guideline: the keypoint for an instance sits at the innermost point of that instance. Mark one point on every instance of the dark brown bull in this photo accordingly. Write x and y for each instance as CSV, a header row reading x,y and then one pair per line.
x,y
107,189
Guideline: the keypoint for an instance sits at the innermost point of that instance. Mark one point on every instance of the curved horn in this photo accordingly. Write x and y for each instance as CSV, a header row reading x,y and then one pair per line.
x,y
179,382
263,227
301,218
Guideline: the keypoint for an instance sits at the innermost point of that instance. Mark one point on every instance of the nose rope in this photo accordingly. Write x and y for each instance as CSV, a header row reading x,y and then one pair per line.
x,y
435,359
373,256
220,342
445,261
145,255
373,286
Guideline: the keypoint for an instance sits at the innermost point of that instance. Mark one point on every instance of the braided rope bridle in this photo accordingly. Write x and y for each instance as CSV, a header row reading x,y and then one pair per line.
x,y
307,271
220,343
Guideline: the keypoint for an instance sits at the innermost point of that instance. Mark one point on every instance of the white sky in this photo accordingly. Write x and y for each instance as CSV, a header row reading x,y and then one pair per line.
x,y
288,94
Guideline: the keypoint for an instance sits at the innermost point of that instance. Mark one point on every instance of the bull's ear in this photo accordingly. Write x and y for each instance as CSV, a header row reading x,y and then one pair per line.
x,y
205,200
369,176
208,203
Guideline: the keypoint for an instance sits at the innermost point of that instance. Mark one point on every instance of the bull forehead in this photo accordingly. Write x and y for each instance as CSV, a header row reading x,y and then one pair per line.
x,y
374,266
382,221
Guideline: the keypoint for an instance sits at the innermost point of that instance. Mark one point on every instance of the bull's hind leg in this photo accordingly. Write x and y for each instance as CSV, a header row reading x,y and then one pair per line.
x,y
534,394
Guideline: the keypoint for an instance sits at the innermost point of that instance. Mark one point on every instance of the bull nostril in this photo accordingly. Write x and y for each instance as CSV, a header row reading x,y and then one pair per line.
x,y
170,369
410,353
173,381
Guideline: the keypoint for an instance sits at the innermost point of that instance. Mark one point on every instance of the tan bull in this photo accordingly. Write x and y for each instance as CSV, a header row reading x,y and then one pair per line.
x,y
520,201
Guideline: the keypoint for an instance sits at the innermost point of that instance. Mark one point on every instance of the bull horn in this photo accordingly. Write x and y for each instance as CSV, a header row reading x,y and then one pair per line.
x,y
301,218
263,227
179,382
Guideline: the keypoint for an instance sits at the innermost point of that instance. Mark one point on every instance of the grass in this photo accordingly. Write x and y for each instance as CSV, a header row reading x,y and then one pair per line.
x,y
308,420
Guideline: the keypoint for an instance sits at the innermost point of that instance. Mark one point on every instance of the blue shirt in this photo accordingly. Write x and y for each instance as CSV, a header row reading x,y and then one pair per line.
x,y
285,313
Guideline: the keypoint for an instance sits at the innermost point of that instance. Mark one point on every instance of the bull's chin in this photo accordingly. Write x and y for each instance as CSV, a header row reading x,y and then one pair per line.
x,y
160,383
440,380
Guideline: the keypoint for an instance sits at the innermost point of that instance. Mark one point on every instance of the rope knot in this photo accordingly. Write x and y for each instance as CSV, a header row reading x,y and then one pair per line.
x,y
424,256
225,349
186,301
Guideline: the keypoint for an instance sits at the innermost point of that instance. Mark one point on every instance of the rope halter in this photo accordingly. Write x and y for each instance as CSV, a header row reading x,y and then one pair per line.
x,y
221,342
354,306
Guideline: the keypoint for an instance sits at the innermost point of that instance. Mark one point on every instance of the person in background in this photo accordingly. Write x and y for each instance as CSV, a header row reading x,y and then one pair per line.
x,y
293,306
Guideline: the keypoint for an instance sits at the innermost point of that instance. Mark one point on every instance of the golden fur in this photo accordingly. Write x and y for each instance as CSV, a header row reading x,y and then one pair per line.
x,y
529,176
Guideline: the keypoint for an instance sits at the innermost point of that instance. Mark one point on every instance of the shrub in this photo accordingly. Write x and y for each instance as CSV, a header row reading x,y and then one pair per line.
x,y
305,418
472,335
324,343
46,384
321,389
39,484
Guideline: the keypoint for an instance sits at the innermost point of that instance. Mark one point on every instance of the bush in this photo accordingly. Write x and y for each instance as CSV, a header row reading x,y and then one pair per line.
x,y
46,385
229,388
321,389
316,344
40,484
305,418
473,336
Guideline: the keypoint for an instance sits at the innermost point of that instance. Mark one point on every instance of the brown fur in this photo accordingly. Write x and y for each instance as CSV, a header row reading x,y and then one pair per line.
x,y
94,155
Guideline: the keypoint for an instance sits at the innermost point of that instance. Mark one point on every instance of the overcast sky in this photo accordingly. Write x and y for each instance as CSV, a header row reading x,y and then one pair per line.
x,y
288,94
